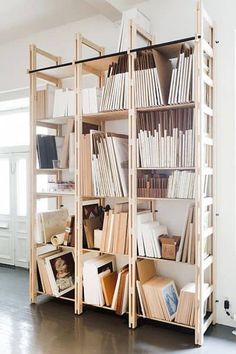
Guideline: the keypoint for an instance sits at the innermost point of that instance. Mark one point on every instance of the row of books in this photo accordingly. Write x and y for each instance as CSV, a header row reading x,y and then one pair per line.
x,y
186,251
149,87
109,164
186,310
103,285
152,186
52,102
158,295
56,269
181,184
115,90
148,233
115,230
59,149
165,139
91,100
182,83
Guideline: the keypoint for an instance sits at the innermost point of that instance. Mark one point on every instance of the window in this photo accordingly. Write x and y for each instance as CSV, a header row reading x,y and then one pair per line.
x,y
14,122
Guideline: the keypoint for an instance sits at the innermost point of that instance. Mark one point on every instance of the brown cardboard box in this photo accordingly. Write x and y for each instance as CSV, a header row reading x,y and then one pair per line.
x,y
169,246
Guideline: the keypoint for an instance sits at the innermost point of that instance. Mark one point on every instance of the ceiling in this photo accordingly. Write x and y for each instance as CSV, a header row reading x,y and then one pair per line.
x,y
20,18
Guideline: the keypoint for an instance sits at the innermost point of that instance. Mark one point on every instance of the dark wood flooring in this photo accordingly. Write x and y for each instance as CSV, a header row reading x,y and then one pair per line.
x,y
51,327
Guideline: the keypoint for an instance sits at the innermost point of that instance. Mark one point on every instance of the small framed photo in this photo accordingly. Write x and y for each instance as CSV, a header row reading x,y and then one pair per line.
x,y
171,299
61,272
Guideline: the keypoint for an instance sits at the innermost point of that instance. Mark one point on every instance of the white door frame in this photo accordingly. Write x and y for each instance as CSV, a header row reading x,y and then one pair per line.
x,y
18,226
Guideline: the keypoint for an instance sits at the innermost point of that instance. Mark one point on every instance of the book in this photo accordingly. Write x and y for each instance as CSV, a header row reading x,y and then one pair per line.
x,y
65,149
46,150
108,287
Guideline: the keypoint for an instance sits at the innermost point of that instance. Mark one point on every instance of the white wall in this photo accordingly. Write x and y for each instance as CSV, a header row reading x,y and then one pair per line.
x,y
171,19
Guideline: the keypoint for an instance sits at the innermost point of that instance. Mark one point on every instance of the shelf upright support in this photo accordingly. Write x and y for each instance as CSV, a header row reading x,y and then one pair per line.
x,y
78,178
32,199
80,41
33,53
204,87
132,155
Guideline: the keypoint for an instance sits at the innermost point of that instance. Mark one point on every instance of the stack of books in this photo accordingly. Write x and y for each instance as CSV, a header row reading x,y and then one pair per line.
x,y
109,164
152,185
186,309
166,139
64,103
148,233
115,230
103,285
181,184
186,251
56,270
158,296
115,91
182,83
91,100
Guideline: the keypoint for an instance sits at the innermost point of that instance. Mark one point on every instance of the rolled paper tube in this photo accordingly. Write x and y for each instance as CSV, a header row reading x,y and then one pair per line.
x,y
57,240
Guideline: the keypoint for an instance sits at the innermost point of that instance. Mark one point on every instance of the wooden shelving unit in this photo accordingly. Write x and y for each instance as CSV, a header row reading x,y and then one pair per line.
x,y
203,45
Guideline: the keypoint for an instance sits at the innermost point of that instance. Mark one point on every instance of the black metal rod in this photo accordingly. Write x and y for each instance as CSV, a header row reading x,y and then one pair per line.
x,y
158,45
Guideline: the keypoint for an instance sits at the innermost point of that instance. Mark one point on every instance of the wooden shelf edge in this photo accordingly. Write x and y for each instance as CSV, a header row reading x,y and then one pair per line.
x,y
165,260
167,322
166,107
60,297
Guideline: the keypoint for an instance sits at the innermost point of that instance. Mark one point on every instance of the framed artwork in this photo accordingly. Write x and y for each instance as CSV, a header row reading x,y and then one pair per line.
x,y
171,299
61,272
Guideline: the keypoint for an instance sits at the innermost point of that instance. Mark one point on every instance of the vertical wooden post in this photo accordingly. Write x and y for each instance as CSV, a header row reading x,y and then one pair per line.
x,y
132,131
204,150
132,181
78,178
32,203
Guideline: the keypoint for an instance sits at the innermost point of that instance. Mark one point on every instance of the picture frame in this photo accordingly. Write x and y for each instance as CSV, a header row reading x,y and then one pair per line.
x,y
171,299
61,272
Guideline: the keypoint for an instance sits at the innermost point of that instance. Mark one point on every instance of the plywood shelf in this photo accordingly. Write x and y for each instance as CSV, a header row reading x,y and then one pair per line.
x,y
165,168
167,261
50,171
54,121
54,194
166,107
97,118
60,297
167,322
167,199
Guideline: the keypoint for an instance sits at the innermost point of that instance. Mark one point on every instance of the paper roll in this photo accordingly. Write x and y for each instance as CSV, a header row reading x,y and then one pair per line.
x,y
57,240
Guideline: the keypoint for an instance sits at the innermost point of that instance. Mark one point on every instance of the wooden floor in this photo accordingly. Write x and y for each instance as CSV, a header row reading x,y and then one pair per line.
x,y
50,327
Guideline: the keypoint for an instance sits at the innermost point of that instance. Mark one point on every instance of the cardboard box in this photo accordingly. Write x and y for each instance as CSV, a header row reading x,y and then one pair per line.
x,y
169,246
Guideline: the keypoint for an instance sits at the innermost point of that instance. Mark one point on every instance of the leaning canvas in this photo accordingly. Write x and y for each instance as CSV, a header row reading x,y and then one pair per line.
x,y
61,272
171,299
53,222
